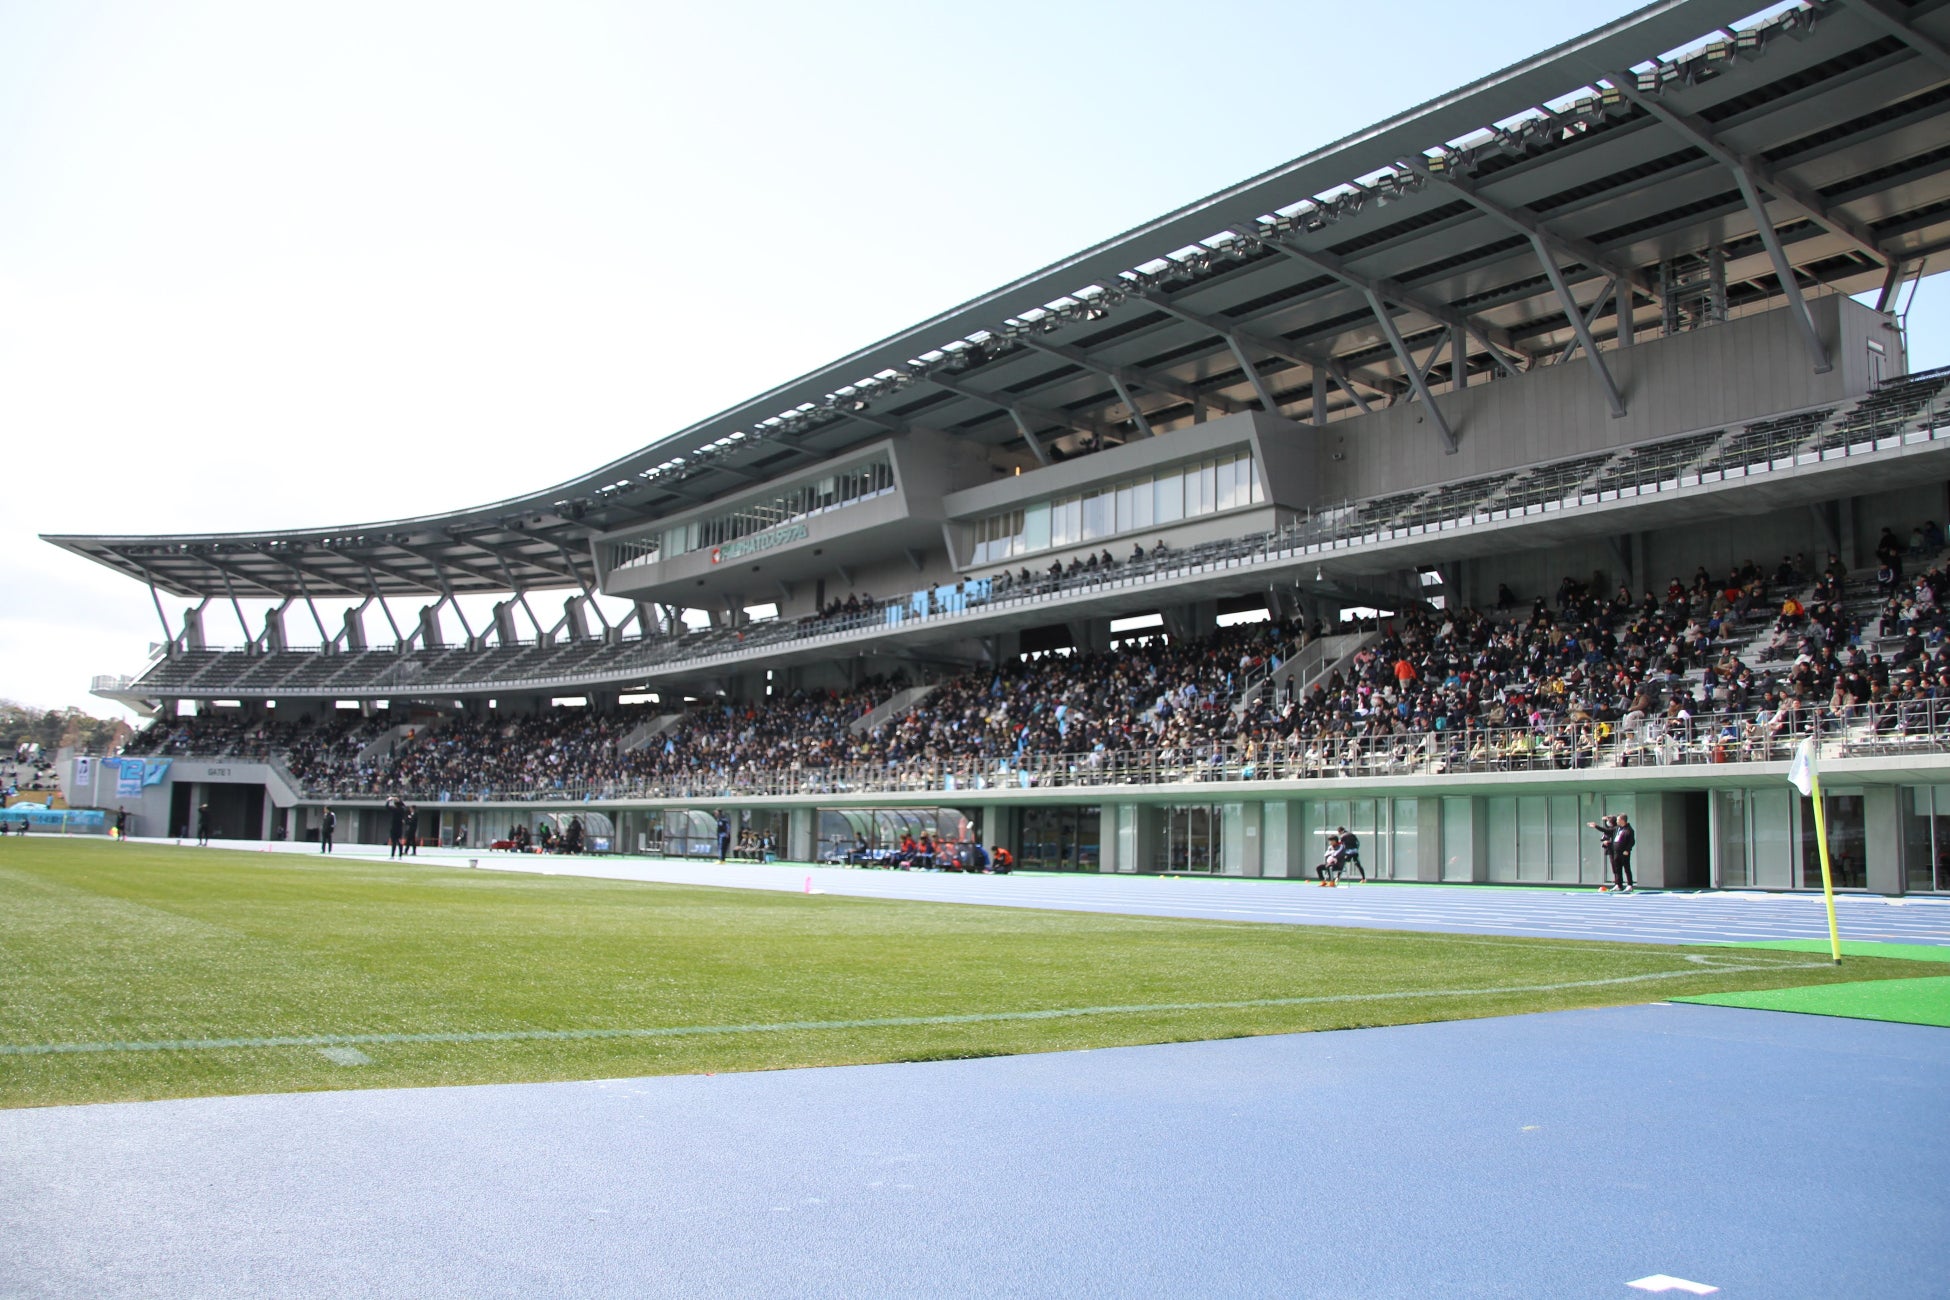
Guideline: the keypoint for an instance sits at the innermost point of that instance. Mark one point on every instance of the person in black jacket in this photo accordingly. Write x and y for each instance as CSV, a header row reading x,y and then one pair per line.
x,y
410,842
328,825
1623,839
724,837
395,827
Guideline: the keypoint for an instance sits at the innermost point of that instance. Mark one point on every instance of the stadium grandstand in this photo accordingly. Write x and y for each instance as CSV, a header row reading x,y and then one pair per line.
x,y
1549,451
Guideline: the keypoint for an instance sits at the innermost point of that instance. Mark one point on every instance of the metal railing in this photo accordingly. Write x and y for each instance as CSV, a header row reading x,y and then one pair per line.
x,y
1891,728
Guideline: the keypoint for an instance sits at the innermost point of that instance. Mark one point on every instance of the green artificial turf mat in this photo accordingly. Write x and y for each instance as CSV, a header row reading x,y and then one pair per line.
x,y
132,971
1911,1001
1852,948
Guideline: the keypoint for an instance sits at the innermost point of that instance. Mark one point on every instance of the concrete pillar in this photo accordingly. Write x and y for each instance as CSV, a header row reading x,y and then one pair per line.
x,y
1883,836
192,634
999,823
802,834
266,821
1239,839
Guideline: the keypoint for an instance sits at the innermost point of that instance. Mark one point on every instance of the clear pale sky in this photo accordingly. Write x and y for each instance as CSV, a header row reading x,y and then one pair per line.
x,y
272,265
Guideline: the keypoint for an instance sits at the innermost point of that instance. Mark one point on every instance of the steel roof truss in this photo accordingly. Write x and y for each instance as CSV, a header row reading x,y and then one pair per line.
x,y
1316,362
1590,319
1747,169
1576,314
1411,369
1529,224
1035,444
1784,272
1134,376
1138,416
1402,296
506,555
237,608
1884,15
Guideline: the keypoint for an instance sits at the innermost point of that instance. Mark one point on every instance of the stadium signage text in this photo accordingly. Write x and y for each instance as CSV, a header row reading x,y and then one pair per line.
x,y
764,541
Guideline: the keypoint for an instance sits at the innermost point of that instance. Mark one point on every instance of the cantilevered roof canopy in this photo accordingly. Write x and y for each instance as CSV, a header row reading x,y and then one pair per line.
x,y
1605,186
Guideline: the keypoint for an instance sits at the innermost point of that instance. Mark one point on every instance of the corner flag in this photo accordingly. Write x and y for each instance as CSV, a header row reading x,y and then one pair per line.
x,y
1803,776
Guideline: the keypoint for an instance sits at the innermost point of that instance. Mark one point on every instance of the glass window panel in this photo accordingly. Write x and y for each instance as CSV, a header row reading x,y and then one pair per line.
x,y
1533,838
1256,492
1458,848
1405,858
1847,839
1096,516
1169,499
1913,803
1036,527
1730,834
1772,827
1121,516
1142,504
1503,835
1565,829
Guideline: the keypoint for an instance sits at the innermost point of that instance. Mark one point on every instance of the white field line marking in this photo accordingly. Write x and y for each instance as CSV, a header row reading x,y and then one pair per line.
x,y
1702,965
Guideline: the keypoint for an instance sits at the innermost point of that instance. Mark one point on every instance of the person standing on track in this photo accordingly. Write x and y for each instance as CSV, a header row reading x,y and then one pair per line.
x,y
395,827
328,825
202,825
1623,839
724,836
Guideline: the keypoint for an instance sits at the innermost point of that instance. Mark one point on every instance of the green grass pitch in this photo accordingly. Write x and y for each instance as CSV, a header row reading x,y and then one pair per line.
x,y
130,972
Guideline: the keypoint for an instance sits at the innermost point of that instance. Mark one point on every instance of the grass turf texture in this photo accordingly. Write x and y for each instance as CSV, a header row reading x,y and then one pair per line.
x,y
104,944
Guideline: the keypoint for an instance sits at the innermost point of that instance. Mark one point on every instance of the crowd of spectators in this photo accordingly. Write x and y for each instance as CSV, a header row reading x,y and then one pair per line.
x,y
1554,680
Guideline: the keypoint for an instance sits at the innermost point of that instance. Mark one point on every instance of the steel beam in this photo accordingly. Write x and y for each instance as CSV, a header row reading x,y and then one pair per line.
x,y
1495,340
1751,171
1257,380
1784,272
1529,224
384,608
507,556
1317,361
1414,371
1138,416
1134,376
1576,314
1884,15
1891,282
1590,319
1029,436
1022,413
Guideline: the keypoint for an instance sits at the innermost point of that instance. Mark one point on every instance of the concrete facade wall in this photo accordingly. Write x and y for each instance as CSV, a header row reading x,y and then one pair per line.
x,y
1739,371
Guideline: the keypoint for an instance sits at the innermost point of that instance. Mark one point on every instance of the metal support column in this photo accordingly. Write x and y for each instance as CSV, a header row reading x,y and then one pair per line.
x,y
1784,271
1572,310
1414,372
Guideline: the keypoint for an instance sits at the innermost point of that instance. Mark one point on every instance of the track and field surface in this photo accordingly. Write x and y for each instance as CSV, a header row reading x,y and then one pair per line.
x,y
1652,917
141,972
1559,1155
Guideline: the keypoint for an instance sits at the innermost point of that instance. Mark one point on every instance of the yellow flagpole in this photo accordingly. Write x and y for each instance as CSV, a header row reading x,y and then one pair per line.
x,y
1827,880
